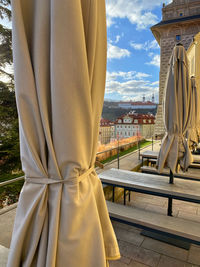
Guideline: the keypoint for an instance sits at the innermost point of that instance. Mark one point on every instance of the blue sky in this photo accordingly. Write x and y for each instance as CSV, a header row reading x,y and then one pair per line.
x,y
133,54
133,58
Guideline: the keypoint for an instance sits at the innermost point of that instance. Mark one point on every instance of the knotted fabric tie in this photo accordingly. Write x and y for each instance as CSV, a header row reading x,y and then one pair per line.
x,y
70,180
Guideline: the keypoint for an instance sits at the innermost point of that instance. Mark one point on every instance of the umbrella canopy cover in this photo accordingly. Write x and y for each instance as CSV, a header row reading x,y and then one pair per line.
x,y
192,132
59,49
197,107
177,113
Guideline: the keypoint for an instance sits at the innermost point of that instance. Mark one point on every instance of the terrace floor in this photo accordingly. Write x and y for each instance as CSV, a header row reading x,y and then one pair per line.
x,y
136,249
140,251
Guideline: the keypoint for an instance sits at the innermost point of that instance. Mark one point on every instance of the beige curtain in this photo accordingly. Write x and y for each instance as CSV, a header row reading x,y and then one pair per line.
x,y
177,113
60,65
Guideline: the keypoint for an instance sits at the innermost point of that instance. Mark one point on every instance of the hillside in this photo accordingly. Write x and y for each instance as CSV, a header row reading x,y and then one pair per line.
x,y
111,111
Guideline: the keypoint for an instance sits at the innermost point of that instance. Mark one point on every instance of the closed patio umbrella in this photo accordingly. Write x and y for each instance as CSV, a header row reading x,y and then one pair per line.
x,y
192,132
197,107
60,64
177,114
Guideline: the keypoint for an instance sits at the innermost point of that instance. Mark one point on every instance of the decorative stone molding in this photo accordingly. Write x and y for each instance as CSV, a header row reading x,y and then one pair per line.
x,y
179,18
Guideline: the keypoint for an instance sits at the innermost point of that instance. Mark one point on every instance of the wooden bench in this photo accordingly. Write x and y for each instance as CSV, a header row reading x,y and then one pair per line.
x,y
153,184
165,172
150,162
162,224
151,156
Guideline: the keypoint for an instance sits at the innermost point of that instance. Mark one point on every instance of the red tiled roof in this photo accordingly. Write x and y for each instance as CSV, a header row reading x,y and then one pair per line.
x,y
139,103
139,117
105,122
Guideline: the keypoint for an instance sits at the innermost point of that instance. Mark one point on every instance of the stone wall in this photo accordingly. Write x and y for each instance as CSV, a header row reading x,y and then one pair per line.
x,y
168,34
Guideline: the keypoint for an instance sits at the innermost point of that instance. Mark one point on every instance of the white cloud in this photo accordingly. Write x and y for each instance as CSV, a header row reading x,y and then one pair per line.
x,y
140,75
145,46
130,85
117,52
137,46
155,60
109,21
129,75
155,83
153,45
117,39
136,11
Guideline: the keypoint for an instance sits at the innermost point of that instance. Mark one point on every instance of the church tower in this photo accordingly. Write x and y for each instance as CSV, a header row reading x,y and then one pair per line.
x,y
180,23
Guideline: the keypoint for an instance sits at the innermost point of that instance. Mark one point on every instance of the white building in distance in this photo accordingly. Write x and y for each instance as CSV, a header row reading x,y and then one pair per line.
x,y
138,104
133,124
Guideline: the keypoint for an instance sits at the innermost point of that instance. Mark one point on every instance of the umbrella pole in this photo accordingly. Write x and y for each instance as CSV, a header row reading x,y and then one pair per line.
x,y
171,177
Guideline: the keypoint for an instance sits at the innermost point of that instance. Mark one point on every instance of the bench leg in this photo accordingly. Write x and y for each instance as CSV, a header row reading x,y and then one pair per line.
x,y
169,210
142,162
113,194
129,196
124,196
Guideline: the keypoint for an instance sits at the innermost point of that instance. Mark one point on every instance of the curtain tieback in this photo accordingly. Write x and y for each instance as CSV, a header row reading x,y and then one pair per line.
x,y
70,180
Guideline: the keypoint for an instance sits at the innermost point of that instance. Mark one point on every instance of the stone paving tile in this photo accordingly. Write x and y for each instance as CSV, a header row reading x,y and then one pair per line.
x,y
166,261
186,208
128,250
156,209
134,195
166,249
185,203
136,230
125,260
137,204
147,257
3,256
6,223
117,264
127,236
189,216
121,225
180,202
137,264
126,227
194,255
158,202
175,211
132,203
198,211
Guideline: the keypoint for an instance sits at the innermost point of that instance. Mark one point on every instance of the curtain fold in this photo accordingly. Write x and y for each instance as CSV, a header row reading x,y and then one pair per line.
x,y
192,132
59,49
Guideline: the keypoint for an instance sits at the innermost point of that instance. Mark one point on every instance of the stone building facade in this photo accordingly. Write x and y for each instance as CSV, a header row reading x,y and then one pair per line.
x,y
105,131
133,124
180,23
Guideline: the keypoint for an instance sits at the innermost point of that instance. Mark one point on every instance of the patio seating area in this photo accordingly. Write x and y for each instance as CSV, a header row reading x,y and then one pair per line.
x,y
148,211
136,250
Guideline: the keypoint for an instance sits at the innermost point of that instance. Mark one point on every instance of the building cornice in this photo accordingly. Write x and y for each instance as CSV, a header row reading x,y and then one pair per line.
x,y
167,23
177,20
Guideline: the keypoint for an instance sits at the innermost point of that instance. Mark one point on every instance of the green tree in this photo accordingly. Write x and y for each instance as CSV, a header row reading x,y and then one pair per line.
x,y
5,38
9,137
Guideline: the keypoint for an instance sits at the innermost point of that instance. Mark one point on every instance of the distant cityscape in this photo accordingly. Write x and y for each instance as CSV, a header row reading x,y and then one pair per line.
x,y
126,119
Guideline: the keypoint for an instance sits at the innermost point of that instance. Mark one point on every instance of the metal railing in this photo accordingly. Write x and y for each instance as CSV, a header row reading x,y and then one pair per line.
x,y
119,148
21,178
12,181
116,147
